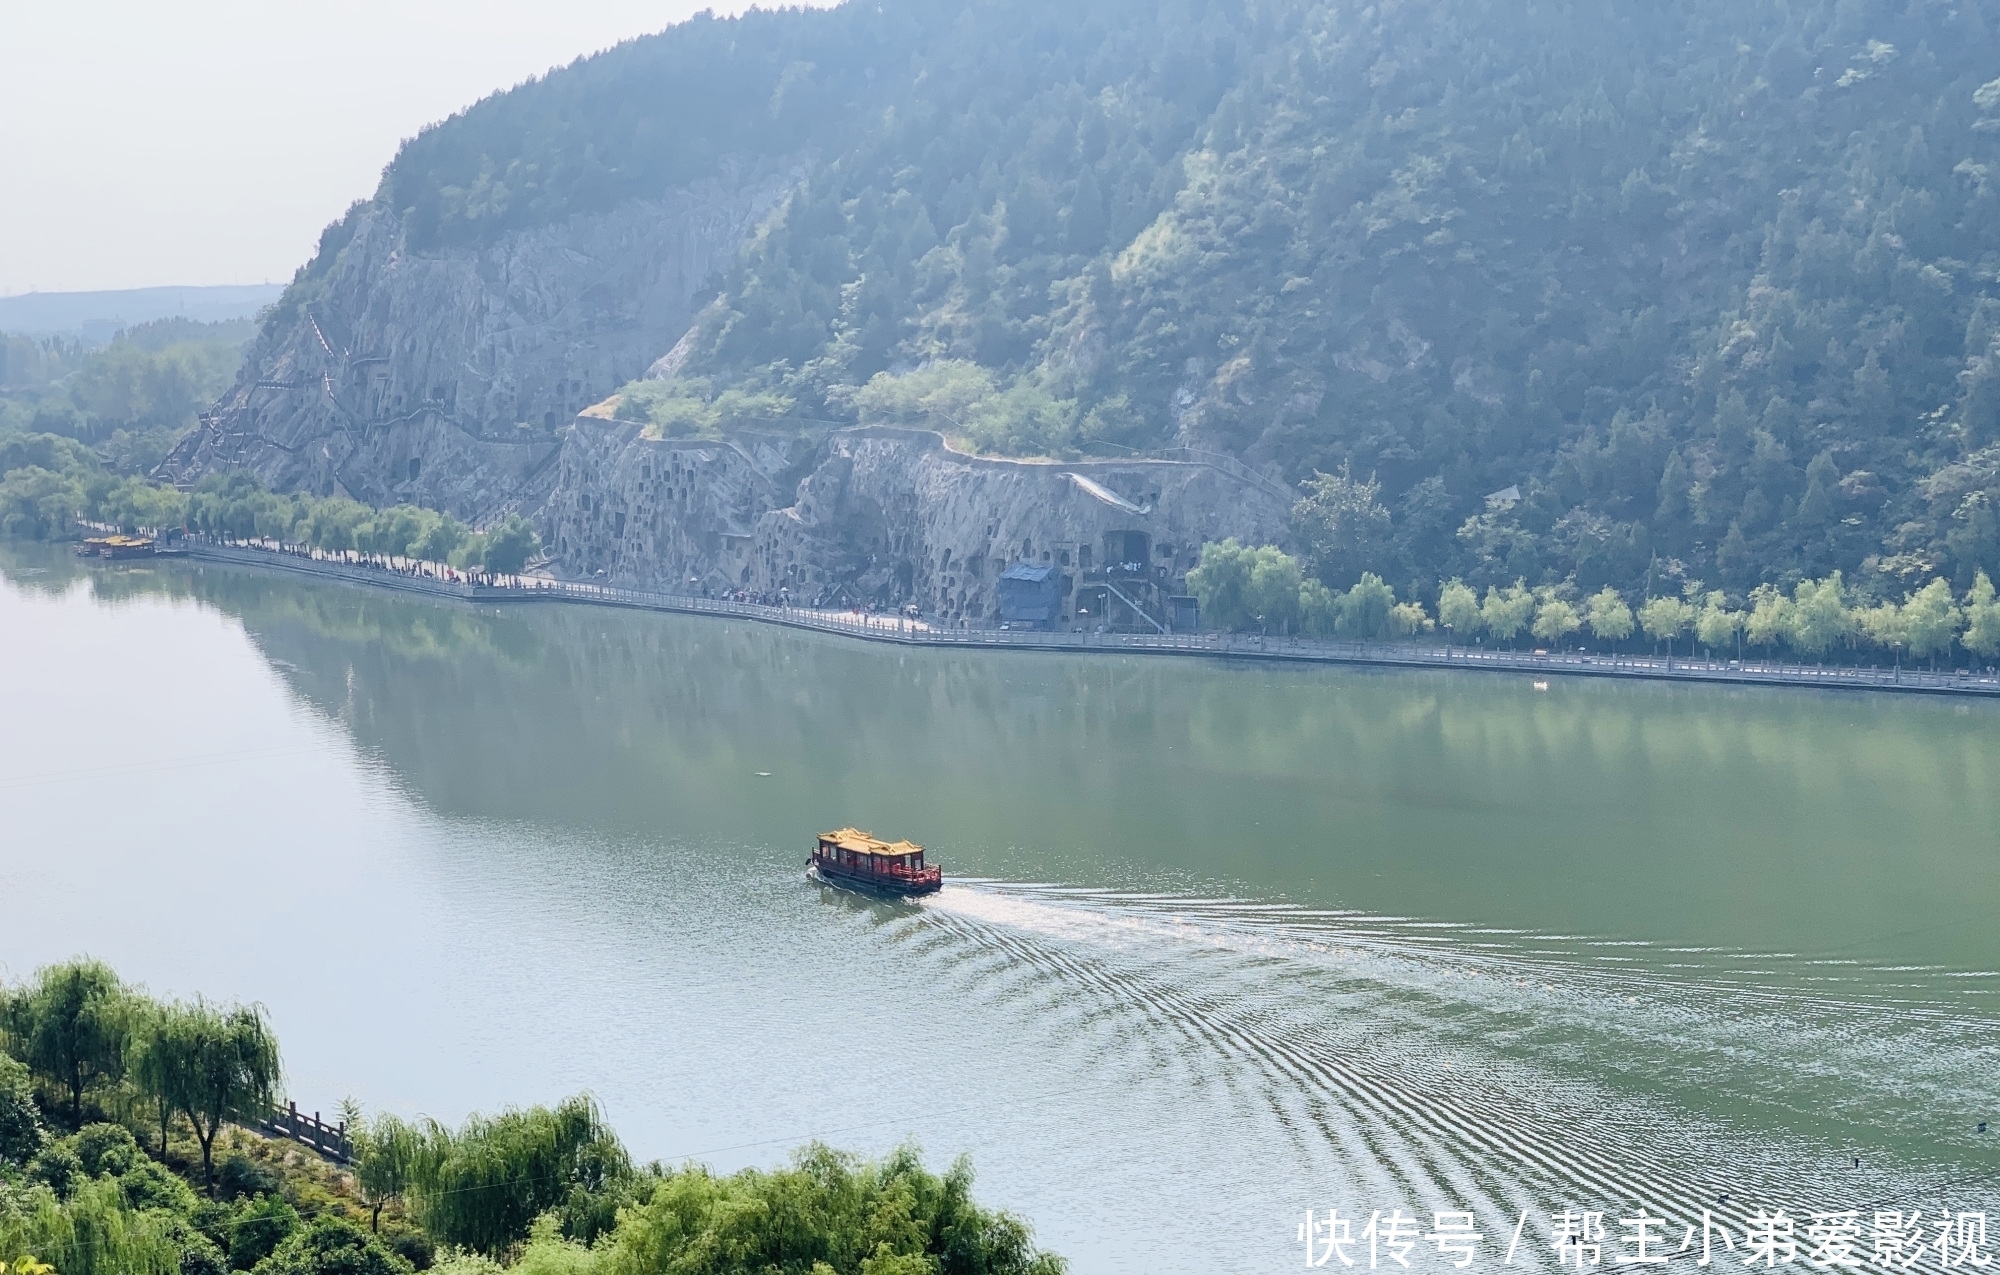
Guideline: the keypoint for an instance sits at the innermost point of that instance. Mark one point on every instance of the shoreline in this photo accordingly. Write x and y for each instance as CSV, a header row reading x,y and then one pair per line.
x,y
887,629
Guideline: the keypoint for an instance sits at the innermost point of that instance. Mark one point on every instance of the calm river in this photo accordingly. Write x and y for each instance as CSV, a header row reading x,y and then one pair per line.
x,y
1223,943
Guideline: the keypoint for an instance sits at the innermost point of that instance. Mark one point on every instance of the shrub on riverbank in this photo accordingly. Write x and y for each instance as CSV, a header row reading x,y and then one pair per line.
x,y
99,1176
1261,589
827,1212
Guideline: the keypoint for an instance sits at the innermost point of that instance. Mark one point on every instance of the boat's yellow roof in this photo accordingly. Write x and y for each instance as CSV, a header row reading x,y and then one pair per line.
x,y
855,841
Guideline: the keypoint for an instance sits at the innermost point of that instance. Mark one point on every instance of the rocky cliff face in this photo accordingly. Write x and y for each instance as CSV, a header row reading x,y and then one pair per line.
x,y
446,379
891,517
454,379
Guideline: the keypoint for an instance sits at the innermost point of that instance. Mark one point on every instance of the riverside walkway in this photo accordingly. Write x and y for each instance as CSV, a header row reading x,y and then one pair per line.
x,y
514,590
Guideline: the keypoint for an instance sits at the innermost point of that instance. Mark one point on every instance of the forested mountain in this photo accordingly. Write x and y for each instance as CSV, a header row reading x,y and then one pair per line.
x,y
1715,284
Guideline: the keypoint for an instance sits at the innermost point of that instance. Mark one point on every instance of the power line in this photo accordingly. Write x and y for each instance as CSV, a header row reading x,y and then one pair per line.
x,y
876,1124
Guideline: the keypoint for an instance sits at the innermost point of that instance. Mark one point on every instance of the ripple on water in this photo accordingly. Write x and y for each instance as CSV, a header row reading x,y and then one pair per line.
x,y
1408,1072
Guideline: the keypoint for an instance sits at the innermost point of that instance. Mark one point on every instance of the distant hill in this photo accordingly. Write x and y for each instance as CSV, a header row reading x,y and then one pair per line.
x,y
96,317
133,396
1715,284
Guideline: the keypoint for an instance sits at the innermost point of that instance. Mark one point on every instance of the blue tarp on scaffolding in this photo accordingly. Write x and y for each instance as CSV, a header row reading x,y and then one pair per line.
x,y
1030,594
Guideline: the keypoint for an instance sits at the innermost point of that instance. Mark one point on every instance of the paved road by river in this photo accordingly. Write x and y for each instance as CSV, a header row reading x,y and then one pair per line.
x,y
512,589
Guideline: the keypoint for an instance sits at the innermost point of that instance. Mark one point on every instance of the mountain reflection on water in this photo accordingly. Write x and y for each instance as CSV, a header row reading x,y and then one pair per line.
x,y
1223,943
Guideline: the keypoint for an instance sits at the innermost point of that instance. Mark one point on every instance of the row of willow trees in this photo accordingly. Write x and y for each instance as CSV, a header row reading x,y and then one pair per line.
x,y
81,1031
1242,587
102,1085
48,483
237,506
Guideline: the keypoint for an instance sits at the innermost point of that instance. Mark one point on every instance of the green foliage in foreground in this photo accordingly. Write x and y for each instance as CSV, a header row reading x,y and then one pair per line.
x,y
70,1026
76,1027
331,1246
541,1191
93,1230
482,1185
21,1133
828,1214
209,1064
1245,588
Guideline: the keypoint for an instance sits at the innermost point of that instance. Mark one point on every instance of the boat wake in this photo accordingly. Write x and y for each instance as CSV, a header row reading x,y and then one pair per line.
x,y
1395,1061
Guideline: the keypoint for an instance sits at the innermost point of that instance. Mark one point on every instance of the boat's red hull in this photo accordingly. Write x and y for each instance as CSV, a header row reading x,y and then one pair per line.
x,y
929,881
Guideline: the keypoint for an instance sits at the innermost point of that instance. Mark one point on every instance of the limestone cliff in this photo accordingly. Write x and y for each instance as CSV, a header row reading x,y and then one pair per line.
x,y
892,517
446,378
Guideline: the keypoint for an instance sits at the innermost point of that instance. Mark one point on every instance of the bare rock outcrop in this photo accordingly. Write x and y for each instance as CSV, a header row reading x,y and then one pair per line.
x,y
446,378
891,517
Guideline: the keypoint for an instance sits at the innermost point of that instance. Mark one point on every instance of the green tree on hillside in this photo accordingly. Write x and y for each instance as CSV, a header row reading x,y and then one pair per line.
x,y
94,1231
217,1064
265,1223
152,1063
332,1246
549,1190
943,393
891,1217
483,1184
21,1133
70,1025
1342,525
389,1155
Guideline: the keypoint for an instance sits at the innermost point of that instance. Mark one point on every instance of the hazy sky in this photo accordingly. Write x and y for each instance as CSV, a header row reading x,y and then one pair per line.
x,y
208,141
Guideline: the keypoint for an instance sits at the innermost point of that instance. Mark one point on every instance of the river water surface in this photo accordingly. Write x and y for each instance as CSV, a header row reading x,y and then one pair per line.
x,y
1223,944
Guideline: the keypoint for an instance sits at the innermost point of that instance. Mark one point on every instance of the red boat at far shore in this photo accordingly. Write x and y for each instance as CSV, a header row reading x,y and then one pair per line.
x,y
855,859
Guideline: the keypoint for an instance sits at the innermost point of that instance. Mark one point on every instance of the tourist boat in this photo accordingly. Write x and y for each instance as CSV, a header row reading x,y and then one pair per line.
x,y
859,861
117,547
